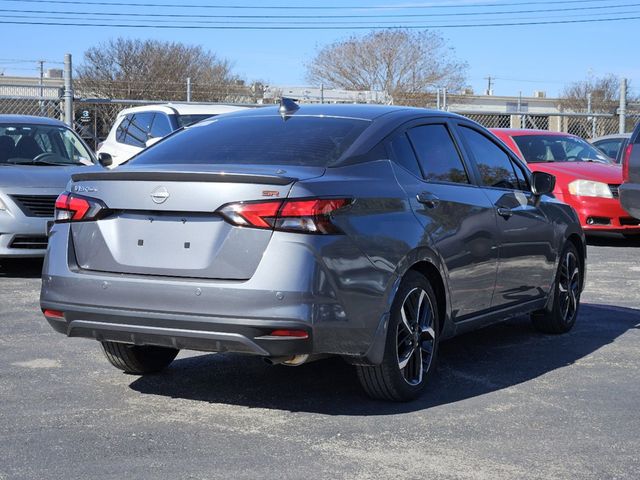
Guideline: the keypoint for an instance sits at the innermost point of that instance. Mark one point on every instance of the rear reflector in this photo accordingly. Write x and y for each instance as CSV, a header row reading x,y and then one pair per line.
x,y
303,216
626,159
289,333
53,313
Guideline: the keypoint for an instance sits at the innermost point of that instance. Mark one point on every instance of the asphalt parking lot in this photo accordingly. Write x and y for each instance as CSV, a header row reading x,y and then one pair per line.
x,y
507,402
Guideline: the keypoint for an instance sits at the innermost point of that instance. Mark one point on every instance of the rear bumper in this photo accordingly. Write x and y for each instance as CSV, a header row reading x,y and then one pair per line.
x,y
328,296
601,214
211,334
630,198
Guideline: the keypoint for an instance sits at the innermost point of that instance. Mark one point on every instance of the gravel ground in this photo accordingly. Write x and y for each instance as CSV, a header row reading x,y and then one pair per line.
x,y
507,402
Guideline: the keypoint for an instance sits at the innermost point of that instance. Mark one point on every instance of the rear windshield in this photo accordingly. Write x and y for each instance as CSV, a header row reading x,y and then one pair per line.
x,y
298,140
186,120
557,148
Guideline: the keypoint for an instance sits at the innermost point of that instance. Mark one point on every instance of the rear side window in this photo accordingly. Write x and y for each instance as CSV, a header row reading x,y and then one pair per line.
x,y
264,140
186,120
138,129
495,166
437,154
161,126
402,153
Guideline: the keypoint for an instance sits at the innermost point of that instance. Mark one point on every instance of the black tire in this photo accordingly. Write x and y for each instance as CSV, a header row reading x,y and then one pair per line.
x,y
561,313
389,381
138,359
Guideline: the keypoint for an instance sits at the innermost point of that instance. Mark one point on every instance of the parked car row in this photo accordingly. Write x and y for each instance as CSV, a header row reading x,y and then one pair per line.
x,y
371,233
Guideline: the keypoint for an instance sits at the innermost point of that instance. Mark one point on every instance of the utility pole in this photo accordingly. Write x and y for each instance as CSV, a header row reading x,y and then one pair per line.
x,y
489,80
68,91
41,102
622,112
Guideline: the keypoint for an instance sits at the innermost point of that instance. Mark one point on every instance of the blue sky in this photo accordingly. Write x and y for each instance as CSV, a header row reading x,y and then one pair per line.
x,y
521,58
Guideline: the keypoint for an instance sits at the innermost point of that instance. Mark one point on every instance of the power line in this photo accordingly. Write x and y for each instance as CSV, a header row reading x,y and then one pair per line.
x,y
411,15
292,7
270,22
320,27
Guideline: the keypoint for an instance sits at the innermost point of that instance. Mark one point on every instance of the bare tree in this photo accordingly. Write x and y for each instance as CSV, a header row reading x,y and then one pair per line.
x,y
154,70
604,91
400,62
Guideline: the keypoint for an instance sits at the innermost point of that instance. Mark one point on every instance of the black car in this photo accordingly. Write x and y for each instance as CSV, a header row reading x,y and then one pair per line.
x,y
630,188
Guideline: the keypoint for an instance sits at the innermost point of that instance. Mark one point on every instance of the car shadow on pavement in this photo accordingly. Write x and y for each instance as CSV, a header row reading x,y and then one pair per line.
x,y
20,267
473,364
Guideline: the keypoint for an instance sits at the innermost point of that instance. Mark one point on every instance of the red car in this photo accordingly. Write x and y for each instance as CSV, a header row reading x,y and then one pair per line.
x,y
586,179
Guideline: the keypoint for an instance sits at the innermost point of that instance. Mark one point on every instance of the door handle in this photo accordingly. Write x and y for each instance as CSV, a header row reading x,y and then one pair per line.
x,y
429,200
505,212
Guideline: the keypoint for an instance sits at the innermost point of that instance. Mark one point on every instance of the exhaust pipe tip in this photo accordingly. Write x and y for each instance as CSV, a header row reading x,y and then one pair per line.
x,y
292,361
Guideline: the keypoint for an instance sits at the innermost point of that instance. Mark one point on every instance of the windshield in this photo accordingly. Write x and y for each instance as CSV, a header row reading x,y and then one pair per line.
x,y
41,145
186,120
264,140
556,148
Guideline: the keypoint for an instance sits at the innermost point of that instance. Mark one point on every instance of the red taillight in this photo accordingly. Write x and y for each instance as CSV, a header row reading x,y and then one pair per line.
x,y
72,208
626,160
305,216
289,333
53,313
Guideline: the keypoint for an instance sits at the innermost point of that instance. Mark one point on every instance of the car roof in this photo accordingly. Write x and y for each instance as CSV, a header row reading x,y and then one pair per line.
x,y
185,109
355,111
517,132
613,136
30,120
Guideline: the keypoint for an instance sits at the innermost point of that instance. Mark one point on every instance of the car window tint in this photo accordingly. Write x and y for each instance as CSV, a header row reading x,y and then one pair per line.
x,y
138,129
121,132
402,153
437,154
609,147
263,139
186,120
494,165
160,127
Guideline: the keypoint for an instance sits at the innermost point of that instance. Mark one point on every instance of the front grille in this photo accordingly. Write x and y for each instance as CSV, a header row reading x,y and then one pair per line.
x,y
30,243
628,221
614,190
36,205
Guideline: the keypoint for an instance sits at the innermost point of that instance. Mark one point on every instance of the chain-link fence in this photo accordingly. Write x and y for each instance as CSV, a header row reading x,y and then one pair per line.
x,y
93,118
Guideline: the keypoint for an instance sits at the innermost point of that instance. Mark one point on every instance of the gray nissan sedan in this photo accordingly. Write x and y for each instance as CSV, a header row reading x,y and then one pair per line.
x,y
37,157
293,233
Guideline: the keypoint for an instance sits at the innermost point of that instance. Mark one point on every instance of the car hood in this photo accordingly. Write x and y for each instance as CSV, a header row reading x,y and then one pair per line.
x,y
598,172
40,176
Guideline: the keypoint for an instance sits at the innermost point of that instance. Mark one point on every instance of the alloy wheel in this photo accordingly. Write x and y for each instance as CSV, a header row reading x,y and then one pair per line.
x,y
416,336
569,286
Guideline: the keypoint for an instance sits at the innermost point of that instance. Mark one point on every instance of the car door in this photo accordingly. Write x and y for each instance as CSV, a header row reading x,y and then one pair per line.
x,y
457,216
526,263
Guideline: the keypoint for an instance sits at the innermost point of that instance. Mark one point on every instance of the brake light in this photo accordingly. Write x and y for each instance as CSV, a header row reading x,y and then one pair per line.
x,y
74,208
626,160
304,216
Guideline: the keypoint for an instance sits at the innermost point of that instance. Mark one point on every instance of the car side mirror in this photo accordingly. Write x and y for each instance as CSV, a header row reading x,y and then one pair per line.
x,y
542,183
105,159
152,141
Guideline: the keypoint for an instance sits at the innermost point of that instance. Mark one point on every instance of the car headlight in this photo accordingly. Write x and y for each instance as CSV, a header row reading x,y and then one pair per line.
x,y
588,188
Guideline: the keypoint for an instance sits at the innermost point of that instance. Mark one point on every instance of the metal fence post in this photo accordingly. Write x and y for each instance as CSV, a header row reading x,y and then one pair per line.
x,y
622,112
68,91
592,118
188,89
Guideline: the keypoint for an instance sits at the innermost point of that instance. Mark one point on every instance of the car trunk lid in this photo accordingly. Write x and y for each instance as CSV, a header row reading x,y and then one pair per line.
x,y
163,222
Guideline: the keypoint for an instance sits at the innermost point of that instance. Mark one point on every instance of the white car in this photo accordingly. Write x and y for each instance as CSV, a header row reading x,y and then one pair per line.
x,y
139,127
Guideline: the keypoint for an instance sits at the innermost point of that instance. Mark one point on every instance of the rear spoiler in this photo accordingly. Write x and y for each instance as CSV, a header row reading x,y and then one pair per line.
x,y
216,177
